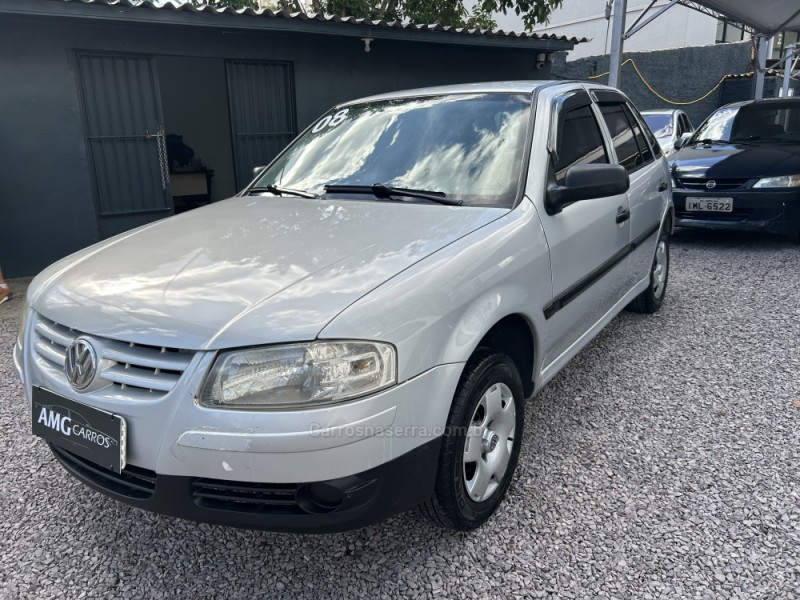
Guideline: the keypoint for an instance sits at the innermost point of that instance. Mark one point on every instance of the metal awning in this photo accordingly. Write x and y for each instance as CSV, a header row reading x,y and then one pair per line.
x,y
765,16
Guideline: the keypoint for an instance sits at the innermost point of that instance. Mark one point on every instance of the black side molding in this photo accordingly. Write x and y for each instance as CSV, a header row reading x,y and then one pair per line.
x,y
586,282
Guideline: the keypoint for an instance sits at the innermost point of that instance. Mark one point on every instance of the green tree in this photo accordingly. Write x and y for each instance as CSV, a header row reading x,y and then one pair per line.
x,y
237,4
445,12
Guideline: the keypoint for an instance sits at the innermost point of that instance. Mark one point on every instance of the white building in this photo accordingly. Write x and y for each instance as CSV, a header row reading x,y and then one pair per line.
x,y
677,27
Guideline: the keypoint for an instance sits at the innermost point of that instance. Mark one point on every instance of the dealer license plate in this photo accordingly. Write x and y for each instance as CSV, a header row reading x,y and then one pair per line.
x,y
93,434
709,204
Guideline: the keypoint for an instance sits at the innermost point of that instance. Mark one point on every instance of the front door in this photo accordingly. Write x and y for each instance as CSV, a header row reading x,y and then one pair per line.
x,y
127,155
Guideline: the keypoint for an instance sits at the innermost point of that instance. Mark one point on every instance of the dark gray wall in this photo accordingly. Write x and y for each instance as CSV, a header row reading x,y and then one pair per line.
x,y
679,74
46,204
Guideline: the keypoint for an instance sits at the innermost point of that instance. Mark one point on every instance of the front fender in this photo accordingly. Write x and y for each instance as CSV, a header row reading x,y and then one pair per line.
x,y
438,311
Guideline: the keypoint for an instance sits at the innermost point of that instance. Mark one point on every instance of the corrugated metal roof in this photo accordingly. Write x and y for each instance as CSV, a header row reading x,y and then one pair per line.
x,y
322,18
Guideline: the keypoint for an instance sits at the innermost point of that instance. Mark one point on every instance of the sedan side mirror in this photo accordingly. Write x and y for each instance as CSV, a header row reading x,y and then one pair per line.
x,y
257,171
681,141
584,182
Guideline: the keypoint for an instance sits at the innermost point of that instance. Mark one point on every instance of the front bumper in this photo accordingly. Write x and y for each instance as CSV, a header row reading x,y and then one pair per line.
x,y
753,210
318,507
339,504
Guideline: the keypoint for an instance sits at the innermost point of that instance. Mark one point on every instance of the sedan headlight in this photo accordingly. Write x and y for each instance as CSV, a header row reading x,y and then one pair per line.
x,y
299,375
786,181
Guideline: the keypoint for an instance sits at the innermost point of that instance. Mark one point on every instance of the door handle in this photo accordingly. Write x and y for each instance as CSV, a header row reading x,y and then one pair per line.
x,y
662,187
623,214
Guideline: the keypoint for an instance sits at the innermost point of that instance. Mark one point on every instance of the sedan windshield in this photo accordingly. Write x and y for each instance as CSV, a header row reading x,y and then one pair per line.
x,y
661,125
757,122
465,148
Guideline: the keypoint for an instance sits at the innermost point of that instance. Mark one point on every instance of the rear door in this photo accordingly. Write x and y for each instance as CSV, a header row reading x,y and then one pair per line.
x,y
649,177
262,110
587,239
121,107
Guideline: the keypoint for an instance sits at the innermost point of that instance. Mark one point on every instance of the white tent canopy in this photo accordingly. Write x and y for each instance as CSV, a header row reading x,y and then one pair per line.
x,y
765,16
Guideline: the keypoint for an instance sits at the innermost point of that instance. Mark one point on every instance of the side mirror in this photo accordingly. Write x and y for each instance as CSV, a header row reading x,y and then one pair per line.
x,y
257,171
681,141
584,182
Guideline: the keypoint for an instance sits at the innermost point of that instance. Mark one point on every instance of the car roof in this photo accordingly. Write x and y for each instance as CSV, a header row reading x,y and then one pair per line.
x,y
782,101
509,87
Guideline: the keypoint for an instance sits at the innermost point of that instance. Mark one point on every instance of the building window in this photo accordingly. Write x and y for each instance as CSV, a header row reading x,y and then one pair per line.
x,y
783,39
729,32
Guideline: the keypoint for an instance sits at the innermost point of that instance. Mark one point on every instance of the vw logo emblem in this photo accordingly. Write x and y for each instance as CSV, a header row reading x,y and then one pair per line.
x,y
81,364
711,184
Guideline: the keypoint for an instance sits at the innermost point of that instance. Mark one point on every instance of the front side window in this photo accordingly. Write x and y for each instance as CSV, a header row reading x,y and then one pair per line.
x,y
579,141
468,146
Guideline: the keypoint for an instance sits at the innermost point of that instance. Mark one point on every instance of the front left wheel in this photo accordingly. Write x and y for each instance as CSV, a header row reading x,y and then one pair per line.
x,y
481,444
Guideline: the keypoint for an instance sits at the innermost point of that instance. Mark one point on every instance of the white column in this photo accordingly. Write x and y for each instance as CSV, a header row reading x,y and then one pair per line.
x,y
763,46
787,69
617,31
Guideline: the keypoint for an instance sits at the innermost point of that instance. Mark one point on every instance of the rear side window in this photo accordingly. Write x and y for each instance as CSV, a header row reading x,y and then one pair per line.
x,y
644,145
579,141
622,136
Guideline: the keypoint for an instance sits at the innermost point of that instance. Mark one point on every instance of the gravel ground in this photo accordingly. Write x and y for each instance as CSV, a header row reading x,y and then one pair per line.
x,y
663,462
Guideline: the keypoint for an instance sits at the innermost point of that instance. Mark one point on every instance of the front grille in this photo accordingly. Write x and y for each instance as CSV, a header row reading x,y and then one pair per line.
x,y
240,496
720,185
133,371
133,482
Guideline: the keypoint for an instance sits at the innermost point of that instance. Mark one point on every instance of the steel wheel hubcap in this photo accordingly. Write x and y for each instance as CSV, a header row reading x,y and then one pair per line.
x,y
490,438
660,269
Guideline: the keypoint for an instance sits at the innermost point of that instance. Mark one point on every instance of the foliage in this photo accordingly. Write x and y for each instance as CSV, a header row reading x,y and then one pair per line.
x,y
446,12
237,4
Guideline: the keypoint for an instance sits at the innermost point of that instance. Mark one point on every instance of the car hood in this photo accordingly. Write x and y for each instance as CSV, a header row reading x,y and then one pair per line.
x,y
737,161
245,271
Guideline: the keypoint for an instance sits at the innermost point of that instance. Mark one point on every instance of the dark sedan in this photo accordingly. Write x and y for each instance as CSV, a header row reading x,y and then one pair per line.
x,y
741,169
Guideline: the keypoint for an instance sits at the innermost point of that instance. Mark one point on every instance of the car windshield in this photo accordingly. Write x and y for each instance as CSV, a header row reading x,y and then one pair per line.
x,y
467,147
660,124
757,122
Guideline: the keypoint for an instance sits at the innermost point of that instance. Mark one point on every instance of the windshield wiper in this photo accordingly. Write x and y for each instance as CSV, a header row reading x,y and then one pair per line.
x,y
280,191
380,190
709,142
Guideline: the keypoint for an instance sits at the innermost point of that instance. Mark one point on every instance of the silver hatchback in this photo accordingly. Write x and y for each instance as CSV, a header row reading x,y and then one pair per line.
x,y
355,333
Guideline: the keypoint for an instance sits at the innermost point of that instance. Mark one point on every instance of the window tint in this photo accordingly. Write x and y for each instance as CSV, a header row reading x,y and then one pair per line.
x,y
579,141
644,146
622,136
651,137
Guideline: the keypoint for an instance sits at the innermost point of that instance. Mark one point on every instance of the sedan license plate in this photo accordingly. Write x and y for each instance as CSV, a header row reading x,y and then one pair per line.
x,y
709,204
93,434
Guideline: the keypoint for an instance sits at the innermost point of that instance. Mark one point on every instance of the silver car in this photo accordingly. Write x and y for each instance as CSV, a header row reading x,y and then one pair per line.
x,y
672,128
354,334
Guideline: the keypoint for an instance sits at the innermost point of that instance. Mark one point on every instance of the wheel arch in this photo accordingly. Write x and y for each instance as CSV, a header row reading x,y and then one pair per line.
x,y
514,335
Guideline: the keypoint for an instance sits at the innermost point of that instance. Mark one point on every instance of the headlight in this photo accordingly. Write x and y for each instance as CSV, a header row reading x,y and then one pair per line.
x,y
299,375
787,181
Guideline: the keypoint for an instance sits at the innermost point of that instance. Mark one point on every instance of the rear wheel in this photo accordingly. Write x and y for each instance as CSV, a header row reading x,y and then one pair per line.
x,y
651,299
481,445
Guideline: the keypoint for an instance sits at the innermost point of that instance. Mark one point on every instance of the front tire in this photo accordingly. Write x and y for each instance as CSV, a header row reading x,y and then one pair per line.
x,y
651,299
481,444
